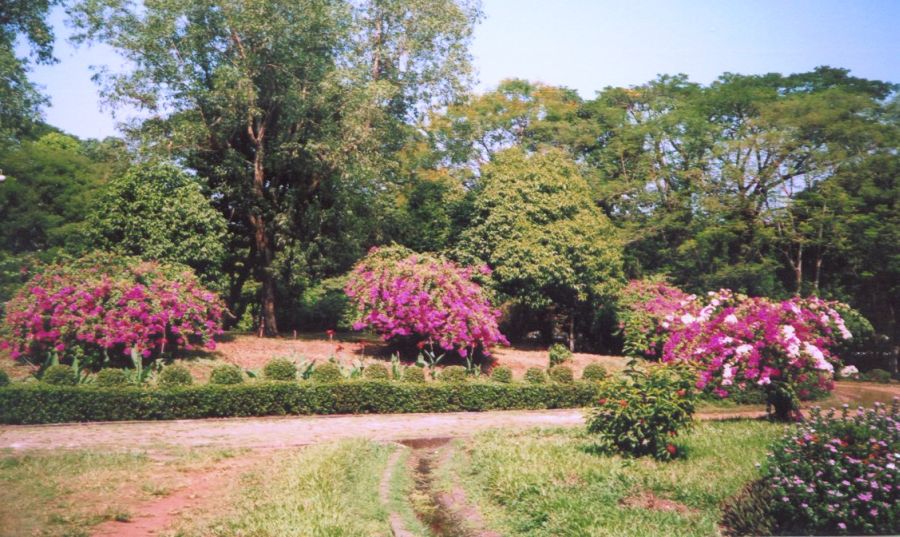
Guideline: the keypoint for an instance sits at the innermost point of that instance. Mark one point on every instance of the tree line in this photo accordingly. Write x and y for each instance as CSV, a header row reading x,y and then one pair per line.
x,y
279,140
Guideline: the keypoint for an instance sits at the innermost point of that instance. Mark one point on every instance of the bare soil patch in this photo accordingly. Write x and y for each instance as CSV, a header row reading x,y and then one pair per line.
x,y
647,500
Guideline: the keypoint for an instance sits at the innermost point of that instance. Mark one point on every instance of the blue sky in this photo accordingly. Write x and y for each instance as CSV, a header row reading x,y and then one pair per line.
x,y
590,44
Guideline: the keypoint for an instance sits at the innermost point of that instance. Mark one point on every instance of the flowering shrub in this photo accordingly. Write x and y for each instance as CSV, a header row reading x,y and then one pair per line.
x,y
644,306
423,296
104,305
849,372
739,341
839,475
641,414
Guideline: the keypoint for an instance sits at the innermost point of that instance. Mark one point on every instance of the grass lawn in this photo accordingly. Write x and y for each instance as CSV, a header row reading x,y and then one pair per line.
x,y
553,483
65,493
327,489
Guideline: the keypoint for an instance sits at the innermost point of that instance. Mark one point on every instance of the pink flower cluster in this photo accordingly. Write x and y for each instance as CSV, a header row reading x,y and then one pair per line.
x,y
110,307
738,340
426,297
644,306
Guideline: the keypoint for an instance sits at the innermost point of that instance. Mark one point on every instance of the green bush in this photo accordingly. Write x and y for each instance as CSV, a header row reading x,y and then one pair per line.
x,y
280,369
593,372
23,403
60,375
453,373
326,373
561,373
750,511
878,375
175,375
4,378
226,374
414,374
837,473
110,378
502,374
640,413
535,375
376,372
559,354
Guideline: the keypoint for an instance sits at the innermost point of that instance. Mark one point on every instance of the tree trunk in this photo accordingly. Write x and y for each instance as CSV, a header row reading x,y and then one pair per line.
x,y
572,332
798,272
268,326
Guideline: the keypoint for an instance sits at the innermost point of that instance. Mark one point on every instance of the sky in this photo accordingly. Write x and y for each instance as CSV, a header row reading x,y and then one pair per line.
x,y
587,45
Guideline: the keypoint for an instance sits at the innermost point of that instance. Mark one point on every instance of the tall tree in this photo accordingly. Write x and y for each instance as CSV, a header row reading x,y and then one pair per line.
x,y
20,101
273,100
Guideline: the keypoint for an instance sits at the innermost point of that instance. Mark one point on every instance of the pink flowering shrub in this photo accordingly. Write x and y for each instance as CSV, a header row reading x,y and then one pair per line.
x,y
400,295
736,341
838,474
104,306
644,306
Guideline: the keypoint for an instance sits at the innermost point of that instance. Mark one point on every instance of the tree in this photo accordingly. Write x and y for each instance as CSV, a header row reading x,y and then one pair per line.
x,y
20,101
537,227
271,100
158,212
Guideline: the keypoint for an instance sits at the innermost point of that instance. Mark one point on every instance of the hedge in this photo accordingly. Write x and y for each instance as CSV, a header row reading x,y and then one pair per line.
x,y
37,403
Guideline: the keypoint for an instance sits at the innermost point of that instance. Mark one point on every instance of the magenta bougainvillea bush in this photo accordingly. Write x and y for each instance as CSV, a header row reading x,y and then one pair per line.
x,y
784,347
104,306
398,294
643,307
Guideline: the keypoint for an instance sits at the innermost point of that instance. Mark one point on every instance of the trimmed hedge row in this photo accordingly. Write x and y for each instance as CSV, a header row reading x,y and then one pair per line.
x,y
38,403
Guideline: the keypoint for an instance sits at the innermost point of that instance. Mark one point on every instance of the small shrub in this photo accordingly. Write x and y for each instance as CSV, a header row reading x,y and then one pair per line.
x,y
327,373
878,375
848,372
110,378
280,369
175,375
60,375
750,512
502,374
4,378
837,474
453,373
414,374
562,374
559,354
376,372
535,375
593,372
226,374
641,413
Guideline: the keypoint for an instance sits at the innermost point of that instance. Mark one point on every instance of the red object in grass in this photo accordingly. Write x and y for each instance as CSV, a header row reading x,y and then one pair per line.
x,y
671,449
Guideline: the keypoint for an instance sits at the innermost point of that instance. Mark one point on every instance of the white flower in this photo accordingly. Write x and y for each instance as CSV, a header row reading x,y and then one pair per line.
x,y
787,331
731,319
849,371
687,318
816,353
743,349
764,380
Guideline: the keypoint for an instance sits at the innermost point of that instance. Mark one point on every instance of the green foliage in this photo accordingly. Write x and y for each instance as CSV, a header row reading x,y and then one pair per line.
x,y
280,369
559,354
324,306
594,372
877,375
39,403
376,372
641,414
414,374
837,474
502,374
537,226
157,211
453,373
4,378
175,376
561,373
750,511
60,375
110,378
327,372
226,374
535,375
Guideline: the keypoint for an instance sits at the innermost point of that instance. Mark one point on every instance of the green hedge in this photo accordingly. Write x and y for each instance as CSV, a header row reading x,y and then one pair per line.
x,y
37,403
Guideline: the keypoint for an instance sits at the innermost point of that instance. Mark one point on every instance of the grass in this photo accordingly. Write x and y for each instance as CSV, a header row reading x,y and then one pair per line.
x,y
401,489
554,483
327,490
65,493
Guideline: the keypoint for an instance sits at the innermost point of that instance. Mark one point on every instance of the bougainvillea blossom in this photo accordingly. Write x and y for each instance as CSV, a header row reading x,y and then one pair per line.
x,y
427,297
